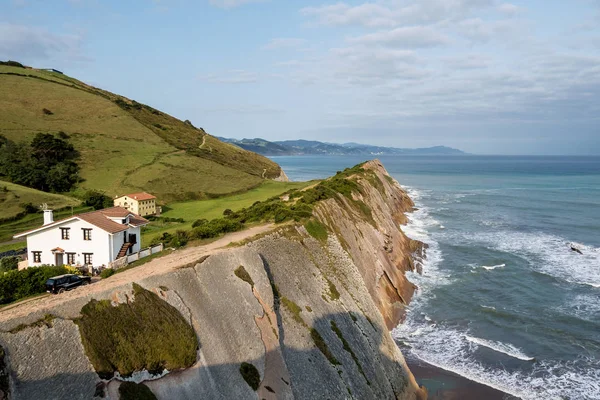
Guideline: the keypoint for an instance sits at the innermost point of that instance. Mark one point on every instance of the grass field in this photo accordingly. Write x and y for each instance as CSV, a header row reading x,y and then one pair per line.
x,y
13,196
125,146
191,211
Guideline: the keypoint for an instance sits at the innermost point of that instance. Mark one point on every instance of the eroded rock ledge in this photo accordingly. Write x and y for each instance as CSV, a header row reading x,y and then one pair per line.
x,y
310,314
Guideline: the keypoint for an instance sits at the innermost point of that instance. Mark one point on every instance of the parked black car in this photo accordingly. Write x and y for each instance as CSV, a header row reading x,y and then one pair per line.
x,y
61,283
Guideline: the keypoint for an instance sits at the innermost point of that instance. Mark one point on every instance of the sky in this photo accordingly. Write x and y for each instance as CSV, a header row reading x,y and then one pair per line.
x,y
484,76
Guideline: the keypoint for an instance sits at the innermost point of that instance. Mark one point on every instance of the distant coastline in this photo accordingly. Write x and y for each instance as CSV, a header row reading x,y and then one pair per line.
x,y
312,148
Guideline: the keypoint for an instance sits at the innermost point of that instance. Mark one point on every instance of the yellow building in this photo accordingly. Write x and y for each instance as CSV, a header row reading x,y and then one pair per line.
x,y
138,203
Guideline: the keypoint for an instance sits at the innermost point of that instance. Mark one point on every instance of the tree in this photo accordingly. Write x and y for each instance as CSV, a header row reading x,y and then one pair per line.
x,y
47,163
96,199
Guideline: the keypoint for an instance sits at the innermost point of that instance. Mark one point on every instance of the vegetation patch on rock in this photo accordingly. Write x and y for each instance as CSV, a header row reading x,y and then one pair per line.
x,y
146,334
347,347
333,292
316,230
47,321
250,375
322,346
135,391
241,273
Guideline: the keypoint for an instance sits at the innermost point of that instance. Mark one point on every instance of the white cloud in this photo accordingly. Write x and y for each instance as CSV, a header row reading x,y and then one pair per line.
x,y
283,43
34,44
390,13
405,37
236,76
233,3
509,9
368,14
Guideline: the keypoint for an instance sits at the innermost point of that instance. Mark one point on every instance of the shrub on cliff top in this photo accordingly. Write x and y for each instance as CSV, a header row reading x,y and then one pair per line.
x,y
147,333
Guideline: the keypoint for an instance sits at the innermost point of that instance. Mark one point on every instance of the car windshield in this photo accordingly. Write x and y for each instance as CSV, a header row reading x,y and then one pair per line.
x,y
50,282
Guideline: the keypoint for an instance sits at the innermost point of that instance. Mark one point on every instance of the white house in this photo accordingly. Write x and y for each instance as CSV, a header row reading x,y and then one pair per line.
x,y
95,238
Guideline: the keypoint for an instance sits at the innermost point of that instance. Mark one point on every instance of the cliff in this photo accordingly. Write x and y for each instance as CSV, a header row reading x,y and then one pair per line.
x,y
302,312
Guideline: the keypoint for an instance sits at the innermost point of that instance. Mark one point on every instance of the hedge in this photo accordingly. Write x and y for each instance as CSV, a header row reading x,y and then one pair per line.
x,y
15,285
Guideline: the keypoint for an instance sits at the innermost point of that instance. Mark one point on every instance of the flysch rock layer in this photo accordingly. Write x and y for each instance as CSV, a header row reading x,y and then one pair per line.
x,y
349,290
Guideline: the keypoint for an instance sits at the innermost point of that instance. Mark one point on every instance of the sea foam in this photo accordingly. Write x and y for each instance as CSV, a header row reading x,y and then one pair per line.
x,y
546,253
450,348
505,348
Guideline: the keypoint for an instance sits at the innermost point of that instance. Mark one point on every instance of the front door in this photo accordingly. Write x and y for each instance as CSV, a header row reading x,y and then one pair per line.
x,y
59,259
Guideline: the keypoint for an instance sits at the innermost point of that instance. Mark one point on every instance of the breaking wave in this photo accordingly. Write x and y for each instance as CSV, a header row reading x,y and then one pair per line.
x,y
452,350
500,347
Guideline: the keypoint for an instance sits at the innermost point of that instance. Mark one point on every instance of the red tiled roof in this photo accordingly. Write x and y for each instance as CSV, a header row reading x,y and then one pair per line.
x,y
139,196
136,220
101,219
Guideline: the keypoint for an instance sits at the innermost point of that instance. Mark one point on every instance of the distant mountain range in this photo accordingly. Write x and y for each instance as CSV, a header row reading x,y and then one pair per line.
x,y
312,147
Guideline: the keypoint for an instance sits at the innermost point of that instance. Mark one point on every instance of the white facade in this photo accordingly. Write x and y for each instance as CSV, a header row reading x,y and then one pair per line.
x,y
138,203
97,247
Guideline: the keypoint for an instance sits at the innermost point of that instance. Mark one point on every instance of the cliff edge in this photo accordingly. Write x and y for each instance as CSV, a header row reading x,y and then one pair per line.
x,y
302,312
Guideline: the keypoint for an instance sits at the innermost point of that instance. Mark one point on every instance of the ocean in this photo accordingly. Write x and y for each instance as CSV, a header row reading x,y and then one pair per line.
x,y
504,300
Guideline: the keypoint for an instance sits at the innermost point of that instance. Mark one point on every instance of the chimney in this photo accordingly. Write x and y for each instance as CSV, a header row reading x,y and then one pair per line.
x,y
48,217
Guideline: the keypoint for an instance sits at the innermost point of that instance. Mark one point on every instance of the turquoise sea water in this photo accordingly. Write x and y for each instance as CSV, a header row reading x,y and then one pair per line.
x,y
503,299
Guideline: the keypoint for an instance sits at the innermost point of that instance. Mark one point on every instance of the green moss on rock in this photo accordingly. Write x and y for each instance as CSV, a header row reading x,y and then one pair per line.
x,y
322,346
294,309
316,230
347,347
147,333
250,375
241,273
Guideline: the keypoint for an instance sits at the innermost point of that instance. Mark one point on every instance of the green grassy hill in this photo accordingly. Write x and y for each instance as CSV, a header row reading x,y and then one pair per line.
x,y
12,197
125,146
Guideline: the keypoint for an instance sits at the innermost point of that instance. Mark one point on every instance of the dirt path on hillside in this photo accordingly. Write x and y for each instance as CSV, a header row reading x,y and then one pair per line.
x,y
171,262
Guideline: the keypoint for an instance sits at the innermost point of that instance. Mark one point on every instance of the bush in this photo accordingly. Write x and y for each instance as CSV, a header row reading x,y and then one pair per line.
x,y
145,334
8,264
47,112
15,285
97,199
107,273
29,208
12,64
135,391
216,227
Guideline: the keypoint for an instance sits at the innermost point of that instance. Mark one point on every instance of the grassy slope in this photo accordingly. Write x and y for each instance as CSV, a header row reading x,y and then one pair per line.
x,y
15,195
191,211
126,147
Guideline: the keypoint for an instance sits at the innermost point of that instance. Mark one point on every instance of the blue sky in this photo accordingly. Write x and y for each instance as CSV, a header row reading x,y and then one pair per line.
x,y
485,76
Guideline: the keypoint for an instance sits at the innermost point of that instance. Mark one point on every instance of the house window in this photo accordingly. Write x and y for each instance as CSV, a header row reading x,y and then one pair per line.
x,y
37,256
87,233
87,258
64,233
70,258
